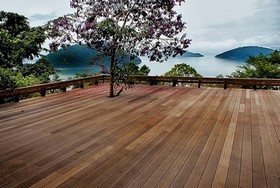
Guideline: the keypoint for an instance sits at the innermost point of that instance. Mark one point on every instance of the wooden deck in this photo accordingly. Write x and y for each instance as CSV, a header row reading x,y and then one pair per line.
x,y
150,136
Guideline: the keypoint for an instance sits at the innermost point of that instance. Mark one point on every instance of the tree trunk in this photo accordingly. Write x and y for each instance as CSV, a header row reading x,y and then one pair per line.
x,y
112,73
111,92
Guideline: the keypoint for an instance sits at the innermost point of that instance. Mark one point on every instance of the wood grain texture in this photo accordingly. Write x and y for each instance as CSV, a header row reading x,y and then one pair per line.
x,y
150,136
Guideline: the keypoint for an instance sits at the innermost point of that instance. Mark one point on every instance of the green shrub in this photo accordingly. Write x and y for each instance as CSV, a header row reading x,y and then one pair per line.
x,y
10,79
42,70
6,80
22,81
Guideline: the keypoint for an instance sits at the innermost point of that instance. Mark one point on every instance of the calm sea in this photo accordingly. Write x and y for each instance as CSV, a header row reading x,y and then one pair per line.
x,y
207,66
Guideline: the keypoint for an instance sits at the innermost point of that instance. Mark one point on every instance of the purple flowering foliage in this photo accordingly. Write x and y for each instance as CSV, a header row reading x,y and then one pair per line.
x,y
138,27
103,69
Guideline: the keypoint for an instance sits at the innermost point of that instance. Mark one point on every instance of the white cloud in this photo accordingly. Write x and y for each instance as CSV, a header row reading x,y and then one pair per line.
x,y
31,7
211,47
41,19
35,10
200,13
264,40
215,47
42,16
214,25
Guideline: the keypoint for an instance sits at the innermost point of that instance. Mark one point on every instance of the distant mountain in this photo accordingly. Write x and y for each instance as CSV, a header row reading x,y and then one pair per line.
x,y
242,53
81,56
275,48
191,54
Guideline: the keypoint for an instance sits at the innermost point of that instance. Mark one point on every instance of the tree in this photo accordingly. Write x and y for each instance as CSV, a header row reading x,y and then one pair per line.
x,y
132,69
274,57
116,27
144,70
41,69
10,79
18,41
6,80
182,70
260,67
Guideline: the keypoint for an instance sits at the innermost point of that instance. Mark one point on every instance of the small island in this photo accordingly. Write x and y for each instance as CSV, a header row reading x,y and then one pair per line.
x,y
191,54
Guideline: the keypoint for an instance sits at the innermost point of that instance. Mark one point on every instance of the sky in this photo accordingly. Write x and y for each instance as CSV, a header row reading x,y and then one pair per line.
x,y
214,26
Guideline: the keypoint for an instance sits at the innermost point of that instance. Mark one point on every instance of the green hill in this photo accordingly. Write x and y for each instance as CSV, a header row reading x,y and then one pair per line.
x,y
242,53
81,56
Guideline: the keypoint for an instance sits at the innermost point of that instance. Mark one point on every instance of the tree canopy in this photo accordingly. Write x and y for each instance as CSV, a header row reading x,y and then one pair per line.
x,y
260,67
18,41
41,69
182,70
113,27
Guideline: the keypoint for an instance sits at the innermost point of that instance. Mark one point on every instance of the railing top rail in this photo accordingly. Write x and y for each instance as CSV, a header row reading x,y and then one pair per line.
x,y
46,86
206,78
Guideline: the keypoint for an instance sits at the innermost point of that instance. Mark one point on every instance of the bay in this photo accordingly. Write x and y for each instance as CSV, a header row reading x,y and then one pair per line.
x,y
207,66
69,72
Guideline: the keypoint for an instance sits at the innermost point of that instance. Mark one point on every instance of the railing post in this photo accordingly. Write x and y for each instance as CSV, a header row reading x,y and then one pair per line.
x,y
43,93
255,87
81,85
103,78
199,82
225,84
16,98
96,82
255,84
174,83
63,89
151,81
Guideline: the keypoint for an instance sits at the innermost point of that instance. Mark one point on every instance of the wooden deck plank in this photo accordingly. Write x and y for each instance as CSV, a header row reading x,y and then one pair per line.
x,y
233,175
224,121
271,148
168,151
275,103
147,157
104,137
223,165
149,136
259,178
190,162
273,128
201,163
102,167
124,139
31,106
246,156
187,134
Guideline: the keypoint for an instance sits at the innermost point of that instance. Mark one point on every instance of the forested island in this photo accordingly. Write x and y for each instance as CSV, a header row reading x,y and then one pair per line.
x,y
243,53
82,56
192,54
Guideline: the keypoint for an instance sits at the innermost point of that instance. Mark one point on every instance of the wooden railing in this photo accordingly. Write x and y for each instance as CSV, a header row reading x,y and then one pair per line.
x,y
42,88
250,82
152,80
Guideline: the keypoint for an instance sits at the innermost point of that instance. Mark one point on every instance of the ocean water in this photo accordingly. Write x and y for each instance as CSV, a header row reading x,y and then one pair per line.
x,y
70,72
207,66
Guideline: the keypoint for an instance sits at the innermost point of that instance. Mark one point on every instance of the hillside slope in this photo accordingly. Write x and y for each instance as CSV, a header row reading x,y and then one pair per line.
x,y
81,56
242,53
